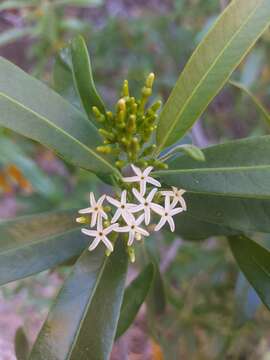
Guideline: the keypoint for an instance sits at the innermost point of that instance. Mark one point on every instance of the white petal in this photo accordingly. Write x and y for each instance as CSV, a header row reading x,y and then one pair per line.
x,y
151,195
100,200
122,229
103,214
167,203
132,179
153,181
139,220
94,244
136,170
142,187
171,223
92,199
147,216
110,229
116,216
141,231
107,242
161,223
124,197
176,211
131,237
138,196
147,171
89,232
137,208
157,208
183,203
99,224
113,201
88,210
128,217
94,219
167,193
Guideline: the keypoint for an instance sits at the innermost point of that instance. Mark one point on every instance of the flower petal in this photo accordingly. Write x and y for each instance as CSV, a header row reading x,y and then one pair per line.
x,y
122,229
138,196
153,181
136,170
147,216
147,171
131,237
141,231
100,200
113,201
157,208
93,219
142,187
132,179
116,216
94,243
176,211
161,223
151,195
92,199
171,223
124,197
88,210
107,242
89,232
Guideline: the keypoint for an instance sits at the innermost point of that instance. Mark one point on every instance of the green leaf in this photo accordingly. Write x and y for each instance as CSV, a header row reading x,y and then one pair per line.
x,y
35,243
83,320
79,2
191,228
210,66
11,153
35,111
254,261
83,77
15,34
234,169
191,150
231,212
22,347
135,295
255,100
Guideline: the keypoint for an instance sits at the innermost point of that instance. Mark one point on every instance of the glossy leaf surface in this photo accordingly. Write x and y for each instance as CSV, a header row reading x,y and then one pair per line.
x,y
210,66
35,111
83,320
234,169
135,295
254,261
35,243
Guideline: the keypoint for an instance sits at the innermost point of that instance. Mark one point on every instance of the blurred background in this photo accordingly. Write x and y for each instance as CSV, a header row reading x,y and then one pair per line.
x,y
212,312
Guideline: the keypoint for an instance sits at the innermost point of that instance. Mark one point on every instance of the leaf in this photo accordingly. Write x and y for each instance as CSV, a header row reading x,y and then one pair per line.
x,y
83,320
35,111
191,228
35,243
83,77
77,3
255,100
134,296
15,34
234,169
191,150
235,213
11,153
21,345
254,261
210,66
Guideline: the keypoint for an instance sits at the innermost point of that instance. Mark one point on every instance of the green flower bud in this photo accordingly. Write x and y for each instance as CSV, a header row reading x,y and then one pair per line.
x,y
120,164
107,134
125,89
150,80
131,124
121,105
131,253
104,149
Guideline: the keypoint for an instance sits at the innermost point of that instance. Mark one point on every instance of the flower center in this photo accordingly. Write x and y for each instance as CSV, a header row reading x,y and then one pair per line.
x,y
100,234
132,227
142,177
146,204
166,214
96,208
122,206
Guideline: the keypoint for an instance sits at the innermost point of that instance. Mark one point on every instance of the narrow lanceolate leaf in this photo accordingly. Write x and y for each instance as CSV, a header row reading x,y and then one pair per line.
x,y
234,169
83,77
228,41
83,320
22,347
35,243
135,295
255,100
254,261
35,111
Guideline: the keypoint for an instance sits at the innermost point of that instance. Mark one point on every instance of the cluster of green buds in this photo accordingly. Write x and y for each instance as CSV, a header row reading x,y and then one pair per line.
x,y
128,132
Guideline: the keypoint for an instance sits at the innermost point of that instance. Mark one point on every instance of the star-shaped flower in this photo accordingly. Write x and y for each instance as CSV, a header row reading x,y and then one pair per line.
x,y
100,235
95,209
166,214
176,194
123,208
146,204
142,177
133,229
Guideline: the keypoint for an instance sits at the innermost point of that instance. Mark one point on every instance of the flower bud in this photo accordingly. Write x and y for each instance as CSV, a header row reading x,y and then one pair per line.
x,y
131,254
125,90
150,80
82,220
106,149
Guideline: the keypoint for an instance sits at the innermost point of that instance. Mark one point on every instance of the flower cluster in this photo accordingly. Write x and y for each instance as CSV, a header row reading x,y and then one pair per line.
x,y
123,220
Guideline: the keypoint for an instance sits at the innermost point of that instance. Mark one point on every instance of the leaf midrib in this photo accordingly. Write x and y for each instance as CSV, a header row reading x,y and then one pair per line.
x,y
89,150
165,138
213,169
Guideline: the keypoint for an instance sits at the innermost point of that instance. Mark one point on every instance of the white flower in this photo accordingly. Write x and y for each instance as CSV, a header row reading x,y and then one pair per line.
x,y
146,204
142,177
133,229
95,209
100,235
176,194
166,214
123,208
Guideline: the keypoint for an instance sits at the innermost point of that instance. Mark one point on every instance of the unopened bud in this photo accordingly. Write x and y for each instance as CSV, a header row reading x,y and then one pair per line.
x,y
131,254
131,125
120,164
125,90
82,220
150,80
107,134
104,149
108,252
121,105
